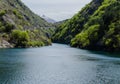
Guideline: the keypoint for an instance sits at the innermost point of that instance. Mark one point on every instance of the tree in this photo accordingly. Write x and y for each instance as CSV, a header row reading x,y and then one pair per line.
x,y
20,38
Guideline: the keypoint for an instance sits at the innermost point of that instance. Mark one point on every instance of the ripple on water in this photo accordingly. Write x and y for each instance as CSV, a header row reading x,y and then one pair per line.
x,y
57,64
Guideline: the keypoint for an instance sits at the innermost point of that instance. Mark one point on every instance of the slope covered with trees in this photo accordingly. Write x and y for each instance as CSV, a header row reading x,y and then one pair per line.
x,y
96,26
20,27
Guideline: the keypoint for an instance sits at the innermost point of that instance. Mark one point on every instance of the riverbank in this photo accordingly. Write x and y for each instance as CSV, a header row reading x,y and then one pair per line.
x,y
5,44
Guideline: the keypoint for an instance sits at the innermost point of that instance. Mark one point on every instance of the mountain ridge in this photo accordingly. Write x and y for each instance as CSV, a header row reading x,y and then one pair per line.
x,y
49,20
95,27
16,19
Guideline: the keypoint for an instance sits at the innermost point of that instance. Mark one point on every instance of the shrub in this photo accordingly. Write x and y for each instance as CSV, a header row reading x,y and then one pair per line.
x,y
2,29
9,27
20,38
3,12
35,43
108,42
17,14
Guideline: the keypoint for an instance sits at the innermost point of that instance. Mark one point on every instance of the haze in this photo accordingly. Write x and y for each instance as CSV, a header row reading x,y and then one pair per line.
x,y
56,9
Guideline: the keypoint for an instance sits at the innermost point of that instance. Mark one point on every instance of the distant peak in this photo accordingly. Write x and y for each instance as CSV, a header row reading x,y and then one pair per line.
x,y
43,16
48,19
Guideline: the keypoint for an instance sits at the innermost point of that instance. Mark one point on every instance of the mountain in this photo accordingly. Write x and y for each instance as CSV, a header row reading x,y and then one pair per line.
x,y
20,27
48,19
95,27
56,24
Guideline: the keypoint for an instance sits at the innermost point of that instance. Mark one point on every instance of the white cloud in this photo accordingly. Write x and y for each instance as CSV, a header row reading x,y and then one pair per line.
x,y
57,9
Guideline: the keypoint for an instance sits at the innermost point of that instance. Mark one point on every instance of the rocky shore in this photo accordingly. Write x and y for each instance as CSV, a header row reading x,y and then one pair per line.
x,y
5,44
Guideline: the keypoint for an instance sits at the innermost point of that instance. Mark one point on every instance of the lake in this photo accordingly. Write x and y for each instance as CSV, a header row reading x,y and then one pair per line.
x,y
58,64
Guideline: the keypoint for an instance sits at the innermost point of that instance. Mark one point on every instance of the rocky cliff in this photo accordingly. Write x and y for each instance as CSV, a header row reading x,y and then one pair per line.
x,y
20,27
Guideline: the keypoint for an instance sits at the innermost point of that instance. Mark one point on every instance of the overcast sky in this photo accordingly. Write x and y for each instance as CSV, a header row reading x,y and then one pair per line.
x,y
56,9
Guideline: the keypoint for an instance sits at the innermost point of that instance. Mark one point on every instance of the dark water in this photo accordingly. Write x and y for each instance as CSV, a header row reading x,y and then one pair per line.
x,y
58,64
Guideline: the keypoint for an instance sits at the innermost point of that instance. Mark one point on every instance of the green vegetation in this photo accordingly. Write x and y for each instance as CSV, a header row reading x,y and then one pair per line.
x,y
2,12
75,25
21,27
20,38
6,27
87,36
96,26
17,14
35,43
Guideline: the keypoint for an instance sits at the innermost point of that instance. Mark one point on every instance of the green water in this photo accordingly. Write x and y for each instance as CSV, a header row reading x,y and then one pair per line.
x,y
58,64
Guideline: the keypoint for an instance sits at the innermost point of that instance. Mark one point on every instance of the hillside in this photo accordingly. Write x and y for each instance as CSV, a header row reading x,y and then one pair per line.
x,y
96,26
48,19
20,27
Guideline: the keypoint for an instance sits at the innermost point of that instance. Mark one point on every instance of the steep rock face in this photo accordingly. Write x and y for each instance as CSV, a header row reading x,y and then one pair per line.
x,y
96,26
15,16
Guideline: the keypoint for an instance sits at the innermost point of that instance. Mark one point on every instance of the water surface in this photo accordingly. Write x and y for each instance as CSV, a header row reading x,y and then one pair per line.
x,y
58,64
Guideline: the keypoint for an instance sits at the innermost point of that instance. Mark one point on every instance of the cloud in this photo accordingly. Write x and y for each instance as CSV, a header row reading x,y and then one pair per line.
x,y
57,9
